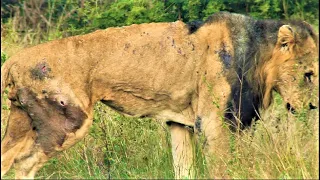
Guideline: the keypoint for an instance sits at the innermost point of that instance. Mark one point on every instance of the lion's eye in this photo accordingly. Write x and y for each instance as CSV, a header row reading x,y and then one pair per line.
x,y
308,76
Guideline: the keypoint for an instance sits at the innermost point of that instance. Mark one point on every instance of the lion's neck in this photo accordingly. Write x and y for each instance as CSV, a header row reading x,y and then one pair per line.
x,y
252,45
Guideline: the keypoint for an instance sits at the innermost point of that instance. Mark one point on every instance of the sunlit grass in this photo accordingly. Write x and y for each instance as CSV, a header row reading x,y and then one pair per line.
x,y
279,147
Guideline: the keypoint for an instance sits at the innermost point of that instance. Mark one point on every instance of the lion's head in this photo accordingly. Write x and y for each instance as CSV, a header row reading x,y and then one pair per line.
x,y
293,68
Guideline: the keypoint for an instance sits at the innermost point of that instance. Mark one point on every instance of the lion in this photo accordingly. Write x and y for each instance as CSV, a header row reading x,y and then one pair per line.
x,y
197,76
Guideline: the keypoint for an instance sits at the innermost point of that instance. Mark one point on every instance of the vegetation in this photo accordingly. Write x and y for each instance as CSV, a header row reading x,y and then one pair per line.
x,y
34,21
280,146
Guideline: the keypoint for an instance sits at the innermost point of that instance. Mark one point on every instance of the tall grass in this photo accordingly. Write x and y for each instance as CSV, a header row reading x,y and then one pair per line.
x,y
280,146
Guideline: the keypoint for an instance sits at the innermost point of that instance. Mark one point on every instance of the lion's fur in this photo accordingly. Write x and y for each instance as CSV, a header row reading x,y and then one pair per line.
x,y
188,75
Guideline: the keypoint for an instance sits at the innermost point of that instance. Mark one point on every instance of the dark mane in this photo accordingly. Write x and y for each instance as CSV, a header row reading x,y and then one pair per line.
x,y
250,37
304,30
193,26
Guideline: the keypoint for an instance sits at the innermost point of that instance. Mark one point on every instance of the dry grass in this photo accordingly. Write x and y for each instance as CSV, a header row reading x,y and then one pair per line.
x,y
279,147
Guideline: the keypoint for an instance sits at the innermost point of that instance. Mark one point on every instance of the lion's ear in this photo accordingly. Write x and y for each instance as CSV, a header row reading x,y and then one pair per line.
x,y
285,36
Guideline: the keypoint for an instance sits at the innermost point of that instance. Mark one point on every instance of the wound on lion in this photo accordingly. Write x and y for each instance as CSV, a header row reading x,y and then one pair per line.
x,y
41,71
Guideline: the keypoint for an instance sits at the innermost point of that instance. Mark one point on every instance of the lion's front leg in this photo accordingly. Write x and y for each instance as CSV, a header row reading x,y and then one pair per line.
x,y
17,138
182,151
213,134
27,154
28,165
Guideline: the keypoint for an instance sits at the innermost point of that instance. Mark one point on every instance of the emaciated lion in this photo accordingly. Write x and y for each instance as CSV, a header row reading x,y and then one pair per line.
x,y
188,75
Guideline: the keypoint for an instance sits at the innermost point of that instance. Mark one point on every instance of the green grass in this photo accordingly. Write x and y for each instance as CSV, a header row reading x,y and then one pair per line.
x,y
116,147
281,146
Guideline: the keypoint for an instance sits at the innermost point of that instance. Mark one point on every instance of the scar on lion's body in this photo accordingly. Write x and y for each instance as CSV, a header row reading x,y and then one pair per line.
x,y
41,71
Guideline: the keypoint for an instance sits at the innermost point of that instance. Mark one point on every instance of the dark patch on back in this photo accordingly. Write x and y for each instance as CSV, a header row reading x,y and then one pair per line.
x,y
193,26
225,56
50,119
41,71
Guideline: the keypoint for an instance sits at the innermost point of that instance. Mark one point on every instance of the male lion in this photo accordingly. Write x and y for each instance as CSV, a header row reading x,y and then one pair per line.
x,y
189,76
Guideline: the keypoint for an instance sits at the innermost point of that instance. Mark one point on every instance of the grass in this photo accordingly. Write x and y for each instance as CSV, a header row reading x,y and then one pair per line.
x,y
116,147
281,146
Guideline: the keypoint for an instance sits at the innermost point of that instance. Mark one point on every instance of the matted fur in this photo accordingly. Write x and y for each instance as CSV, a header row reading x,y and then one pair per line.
x,y
196,76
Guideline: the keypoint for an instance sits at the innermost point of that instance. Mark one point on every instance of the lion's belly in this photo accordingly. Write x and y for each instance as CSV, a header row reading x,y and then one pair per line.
x,y
174,107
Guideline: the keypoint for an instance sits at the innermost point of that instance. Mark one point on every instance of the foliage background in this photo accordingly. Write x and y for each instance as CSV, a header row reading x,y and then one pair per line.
x,y
35,21
282,146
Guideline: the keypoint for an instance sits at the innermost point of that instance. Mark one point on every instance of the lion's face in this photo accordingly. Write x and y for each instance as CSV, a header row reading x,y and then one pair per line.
x,y
295,75
296,83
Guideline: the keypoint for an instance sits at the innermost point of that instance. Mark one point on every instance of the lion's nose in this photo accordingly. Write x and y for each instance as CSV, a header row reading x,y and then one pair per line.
x,y
311,106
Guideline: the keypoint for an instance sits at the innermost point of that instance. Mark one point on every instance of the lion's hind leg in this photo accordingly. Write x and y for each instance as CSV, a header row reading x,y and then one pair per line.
x,y
182,151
